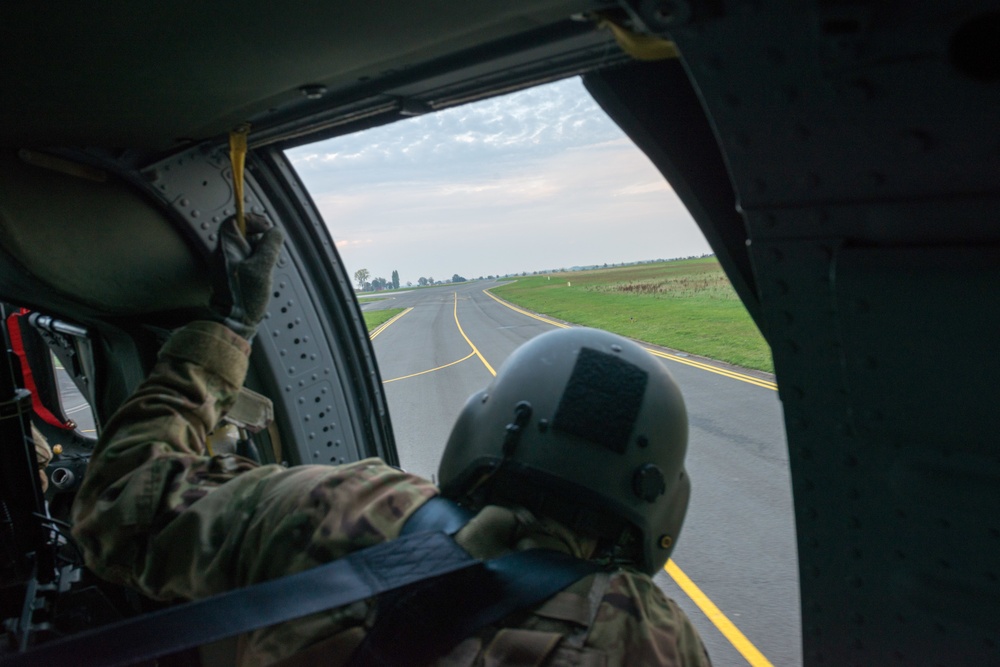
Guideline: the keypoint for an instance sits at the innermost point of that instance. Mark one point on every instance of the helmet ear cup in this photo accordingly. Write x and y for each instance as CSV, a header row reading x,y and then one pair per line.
x,y
585,427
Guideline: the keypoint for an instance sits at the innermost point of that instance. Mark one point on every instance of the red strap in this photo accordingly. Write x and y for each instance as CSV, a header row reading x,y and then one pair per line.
x,y
17,343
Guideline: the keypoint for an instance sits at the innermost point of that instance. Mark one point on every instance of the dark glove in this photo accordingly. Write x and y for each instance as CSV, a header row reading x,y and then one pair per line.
x,y
242,273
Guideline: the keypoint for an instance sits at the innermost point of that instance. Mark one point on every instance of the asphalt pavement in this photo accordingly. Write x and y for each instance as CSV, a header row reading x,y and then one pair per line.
x,y
735,569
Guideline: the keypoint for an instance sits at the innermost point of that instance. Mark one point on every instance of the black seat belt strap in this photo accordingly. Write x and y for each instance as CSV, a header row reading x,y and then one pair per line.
x,y
438,515
434,589
357,576
426,620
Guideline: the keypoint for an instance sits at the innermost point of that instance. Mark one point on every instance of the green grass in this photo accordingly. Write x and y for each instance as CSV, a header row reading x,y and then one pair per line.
x,y
685,305
373,318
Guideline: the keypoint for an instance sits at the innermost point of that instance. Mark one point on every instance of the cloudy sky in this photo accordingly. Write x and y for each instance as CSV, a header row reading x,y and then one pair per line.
x,y
535,180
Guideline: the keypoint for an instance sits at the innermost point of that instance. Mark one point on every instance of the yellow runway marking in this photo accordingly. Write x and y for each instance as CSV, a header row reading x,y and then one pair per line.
x,y
749,379
431,370
721,621
714,614
475,350
524,312
382,327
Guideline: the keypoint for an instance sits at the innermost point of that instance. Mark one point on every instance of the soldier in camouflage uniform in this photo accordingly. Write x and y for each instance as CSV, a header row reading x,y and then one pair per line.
x,y
156,513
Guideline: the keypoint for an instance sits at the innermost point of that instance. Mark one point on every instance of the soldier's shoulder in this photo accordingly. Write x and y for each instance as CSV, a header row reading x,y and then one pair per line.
x,y
637,624
634,595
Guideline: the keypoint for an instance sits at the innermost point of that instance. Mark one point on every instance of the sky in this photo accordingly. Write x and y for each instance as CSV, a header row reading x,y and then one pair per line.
x,y
536,180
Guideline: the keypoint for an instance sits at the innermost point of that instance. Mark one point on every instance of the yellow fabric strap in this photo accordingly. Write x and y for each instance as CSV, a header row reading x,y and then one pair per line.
x,y
238,156
641,47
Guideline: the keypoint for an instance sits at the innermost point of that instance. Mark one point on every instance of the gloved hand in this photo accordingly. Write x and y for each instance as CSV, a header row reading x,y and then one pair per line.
x,y
241,286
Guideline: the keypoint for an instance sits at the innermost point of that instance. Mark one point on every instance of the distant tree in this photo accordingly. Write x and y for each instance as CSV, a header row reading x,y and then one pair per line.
x,y
409,283
361,276
422,281
395,279
430,280
457,278
379,283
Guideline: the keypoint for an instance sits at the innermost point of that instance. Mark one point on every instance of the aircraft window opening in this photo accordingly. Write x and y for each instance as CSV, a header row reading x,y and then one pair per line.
x,y
540,186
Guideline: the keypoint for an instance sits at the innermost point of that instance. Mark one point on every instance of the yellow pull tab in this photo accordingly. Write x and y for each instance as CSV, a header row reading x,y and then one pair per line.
x,y
641,47
238,157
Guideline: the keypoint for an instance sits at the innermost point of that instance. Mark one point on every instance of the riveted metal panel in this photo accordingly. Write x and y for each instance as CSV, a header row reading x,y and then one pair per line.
x,y
308,380
886,359
861,140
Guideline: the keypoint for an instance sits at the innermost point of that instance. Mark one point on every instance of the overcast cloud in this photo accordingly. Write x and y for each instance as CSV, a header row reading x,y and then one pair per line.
x,y
536,180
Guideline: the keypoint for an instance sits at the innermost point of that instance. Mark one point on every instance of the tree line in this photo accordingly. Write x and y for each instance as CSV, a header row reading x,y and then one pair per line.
x,y
366,283
362,276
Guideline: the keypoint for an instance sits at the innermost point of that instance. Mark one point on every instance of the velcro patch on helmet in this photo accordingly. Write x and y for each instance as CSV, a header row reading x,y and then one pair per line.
x,y
602,399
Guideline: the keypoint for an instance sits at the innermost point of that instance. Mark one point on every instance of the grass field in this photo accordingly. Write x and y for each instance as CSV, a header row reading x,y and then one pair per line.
x,y
686,305
373,318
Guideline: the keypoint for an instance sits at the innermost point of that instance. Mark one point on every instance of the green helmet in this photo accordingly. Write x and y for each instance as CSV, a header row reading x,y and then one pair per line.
x,y
585,427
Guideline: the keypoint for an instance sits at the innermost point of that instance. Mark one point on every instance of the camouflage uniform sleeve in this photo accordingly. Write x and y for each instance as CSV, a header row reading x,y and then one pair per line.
x,y
155,513
638,625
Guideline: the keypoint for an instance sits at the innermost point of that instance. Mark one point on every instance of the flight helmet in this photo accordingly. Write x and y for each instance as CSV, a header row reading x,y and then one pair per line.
x,y
585,427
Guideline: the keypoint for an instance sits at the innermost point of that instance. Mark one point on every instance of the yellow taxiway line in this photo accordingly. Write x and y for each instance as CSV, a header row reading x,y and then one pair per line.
x,y
430,370
714,614
475,350
665,355
524,312
728,629
721,621
749,379
382,327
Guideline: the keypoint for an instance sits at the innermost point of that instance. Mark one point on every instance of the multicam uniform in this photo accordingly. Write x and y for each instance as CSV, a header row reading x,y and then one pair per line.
x,y
158,514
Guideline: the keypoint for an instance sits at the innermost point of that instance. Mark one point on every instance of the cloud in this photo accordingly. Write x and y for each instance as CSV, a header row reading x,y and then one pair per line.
x,y
535,180
465,188
641,189
542,120
354,243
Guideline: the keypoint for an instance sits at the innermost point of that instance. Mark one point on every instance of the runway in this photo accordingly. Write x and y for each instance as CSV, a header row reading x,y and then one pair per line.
x,y
735,570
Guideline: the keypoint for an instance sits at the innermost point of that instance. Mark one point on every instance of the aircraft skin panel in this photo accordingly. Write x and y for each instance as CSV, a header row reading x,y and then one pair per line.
x,y
860,148
868,202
